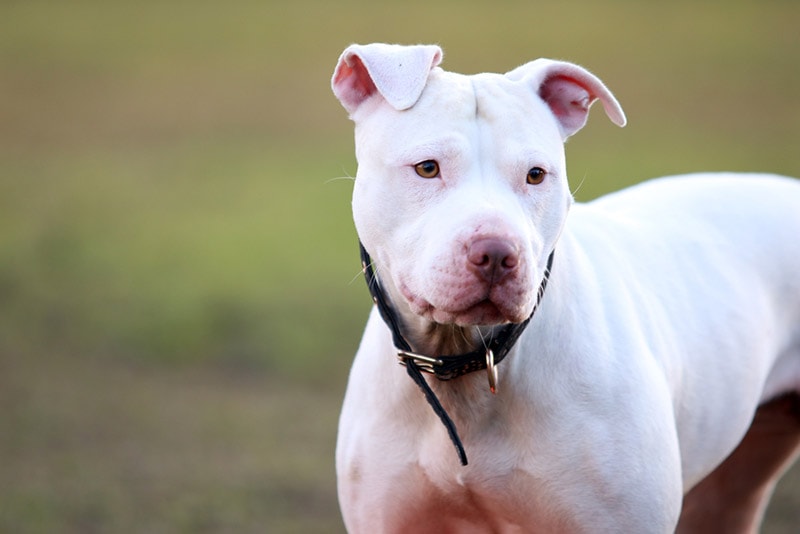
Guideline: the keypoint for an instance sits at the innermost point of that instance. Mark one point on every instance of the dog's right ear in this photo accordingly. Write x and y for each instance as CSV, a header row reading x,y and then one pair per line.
x,y
397,73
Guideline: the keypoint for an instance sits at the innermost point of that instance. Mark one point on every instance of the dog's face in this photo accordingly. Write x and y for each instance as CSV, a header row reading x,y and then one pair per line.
x,y
476,166
461,191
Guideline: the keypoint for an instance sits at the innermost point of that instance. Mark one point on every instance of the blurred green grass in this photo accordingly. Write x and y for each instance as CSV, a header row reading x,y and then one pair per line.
x,y
179,299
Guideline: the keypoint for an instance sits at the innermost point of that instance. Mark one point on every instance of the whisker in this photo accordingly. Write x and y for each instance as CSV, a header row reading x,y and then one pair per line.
x,y
338,178
361,272
483,339
346,176
578,188
358,275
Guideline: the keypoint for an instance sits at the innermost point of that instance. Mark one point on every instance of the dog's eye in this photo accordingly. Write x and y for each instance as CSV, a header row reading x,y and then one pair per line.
x,y
536,175
427,169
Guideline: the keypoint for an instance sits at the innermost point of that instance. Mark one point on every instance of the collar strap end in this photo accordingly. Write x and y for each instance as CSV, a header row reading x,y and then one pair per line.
x,y
425,363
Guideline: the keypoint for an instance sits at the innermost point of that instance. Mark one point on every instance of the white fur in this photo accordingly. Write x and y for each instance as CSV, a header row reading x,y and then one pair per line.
x,y
672,312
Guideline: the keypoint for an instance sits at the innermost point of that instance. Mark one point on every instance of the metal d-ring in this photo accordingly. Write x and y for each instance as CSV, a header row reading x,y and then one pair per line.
x,y
491,371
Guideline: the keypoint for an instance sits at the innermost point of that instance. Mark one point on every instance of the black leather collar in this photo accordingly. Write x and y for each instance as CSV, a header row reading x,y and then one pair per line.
x,y
450,366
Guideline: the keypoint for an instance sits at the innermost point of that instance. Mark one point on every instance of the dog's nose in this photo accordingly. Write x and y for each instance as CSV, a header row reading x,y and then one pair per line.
x,y
492,258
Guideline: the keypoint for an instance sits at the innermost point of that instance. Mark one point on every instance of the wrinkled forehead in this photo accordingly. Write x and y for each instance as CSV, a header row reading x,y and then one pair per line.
x,y
464,108
481,97
447,104
448,94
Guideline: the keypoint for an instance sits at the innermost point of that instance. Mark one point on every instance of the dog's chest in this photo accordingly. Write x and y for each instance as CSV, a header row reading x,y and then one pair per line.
x,y
416,500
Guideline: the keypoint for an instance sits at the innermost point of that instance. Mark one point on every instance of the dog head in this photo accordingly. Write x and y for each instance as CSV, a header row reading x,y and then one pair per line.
x,y
461,191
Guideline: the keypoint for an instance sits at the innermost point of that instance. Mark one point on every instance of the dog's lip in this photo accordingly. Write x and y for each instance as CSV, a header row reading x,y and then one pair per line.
x,y
482,310
418,305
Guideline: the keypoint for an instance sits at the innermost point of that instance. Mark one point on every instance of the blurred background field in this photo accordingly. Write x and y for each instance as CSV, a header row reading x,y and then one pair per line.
x,y
179,289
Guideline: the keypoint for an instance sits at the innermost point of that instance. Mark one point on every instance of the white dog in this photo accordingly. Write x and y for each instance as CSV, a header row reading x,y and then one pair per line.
x,y
656,385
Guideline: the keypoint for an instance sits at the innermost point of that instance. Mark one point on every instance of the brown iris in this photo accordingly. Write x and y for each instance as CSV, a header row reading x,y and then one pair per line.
x,y
427,169
536,175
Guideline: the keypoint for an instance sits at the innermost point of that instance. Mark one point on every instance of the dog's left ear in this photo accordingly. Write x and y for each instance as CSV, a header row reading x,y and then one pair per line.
x,y
569,91
397,73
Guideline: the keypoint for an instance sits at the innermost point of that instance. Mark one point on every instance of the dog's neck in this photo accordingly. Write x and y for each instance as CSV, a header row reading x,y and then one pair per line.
x,y
446,364
435,339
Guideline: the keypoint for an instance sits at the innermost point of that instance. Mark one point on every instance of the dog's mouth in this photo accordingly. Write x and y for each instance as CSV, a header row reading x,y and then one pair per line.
x,y
483,310
485,313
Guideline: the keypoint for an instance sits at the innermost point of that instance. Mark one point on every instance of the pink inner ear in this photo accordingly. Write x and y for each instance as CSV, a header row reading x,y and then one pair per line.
x,y
353,81
569,100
